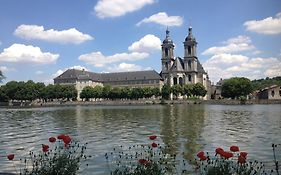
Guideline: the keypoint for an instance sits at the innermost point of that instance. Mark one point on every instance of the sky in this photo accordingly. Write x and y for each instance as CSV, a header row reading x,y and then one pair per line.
x,y
39,40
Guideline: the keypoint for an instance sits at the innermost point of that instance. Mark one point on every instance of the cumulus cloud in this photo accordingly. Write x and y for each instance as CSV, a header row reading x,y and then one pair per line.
x,y
72,35
114,8
163,19
232,45
99,60
148,43
20,53
123,67
228,65
6,69
268,26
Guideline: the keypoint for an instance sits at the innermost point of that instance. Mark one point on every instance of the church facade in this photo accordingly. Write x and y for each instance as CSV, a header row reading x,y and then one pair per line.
x,y
186,70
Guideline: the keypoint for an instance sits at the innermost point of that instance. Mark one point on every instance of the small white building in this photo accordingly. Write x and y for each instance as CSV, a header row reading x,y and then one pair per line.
x,y
271,93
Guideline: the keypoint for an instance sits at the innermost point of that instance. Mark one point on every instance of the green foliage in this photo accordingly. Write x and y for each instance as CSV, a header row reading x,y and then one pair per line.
x,y
165,92
177,90
3,96
87,93
198,90
236,87
187,89
262,83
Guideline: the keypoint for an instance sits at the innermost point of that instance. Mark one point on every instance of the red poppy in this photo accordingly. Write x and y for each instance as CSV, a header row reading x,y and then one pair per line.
x,y
61,136
152,137
241,159
52,139
243,154
143,161
66,139
219,151
11,156
234,148
154,145
45,148
202,158
227,155
200,154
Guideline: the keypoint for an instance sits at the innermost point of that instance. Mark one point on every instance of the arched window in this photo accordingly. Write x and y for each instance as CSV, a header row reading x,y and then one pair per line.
x,y
189,50
181,81
175,80
166,52
272,93
166,66
189,78
189,64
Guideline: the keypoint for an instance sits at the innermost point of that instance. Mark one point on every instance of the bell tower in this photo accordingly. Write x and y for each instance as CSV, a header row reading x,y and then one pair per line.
x,y
167,56
190,57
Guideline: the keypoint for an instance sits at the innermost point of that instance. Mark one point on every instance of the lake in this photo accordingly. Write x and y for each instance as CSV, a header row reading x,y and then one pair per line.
x,y
186,128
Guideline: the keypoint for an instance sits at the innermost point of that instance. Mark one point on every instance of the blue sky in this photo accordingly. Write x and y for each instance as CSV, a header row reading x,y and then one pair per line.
x,y
41,39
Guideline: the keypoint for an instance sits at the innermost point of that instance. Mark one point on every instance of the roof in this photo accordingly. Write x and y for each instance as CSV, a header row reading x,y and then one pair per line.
x,y
109,77
178,65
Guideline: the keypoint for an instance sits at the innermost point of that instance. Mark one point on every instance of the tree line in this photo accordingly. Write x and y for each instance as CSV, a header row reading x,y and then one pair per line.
x,y
29,91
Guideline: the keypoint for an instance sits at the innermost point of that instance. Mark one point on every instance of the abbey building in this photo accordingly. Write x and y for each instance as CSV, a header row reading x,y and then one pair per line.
x,y
186,70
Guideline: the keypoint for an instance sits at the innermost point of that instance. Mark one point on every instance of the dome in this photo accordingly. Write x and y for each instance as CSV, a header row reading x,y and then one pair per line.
x,y
190,36
168,39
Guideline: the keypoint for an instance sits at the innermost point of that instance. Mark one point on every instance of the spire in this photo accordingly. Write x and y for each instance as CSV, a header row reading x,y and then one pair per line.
x,y
190,36
167,33
168,38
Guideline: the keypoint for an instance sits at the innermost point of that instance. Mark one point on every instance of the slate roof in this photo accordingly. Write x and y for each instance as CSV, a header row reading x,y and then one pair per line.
x,y
109,77
179,66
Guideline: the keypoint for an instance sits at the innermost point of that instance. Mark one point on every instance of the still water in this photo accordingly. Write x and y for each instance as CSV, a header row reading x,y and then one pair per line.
x,y
186,128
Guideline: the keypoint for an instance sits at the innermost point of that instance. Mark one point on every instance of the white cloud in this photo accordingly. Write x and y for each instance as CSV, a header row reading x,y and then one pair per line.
x,y
99,60
114,8
20,53
148,43
232,45
227,65
268,25
163,19
6,69
64,36
123,67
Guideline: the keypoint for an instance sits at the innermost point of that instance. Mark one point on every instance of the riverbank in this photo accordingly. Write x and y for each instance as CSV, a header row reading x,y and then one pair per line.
x,y
137,102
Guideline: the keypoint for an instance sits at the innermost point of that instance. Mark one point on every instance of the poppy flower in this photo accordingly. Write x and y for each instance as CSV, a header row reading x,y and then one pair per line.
x,y
66,139
143,161
200,154
45,148
152,137
241,159
219,151
11,156
227,155
154,145
234,148
60,137
243,154
52,139
202,158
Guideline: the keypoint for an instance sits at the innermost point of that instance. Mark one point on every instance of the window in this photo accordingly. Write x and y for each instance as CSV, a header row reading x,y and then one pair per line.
x,y
166,66
189,78
272,93
175,80
280,91
189,50
180,81
166,52
189,64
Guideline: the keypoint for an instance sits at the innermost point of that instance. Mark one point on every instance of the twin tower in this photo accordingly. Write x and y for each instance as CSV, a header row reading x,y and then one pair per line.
x,y
186,70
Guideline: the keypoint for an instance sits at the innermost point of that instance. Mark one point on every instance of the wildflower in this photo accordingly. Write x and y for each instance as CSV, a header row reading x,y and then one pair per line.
x,y
243,154
219,151
45,148
227,155
66,139
200,154
152,137
154,145
11,156
234,148
143,161
52,139
60,137
241,159
202,158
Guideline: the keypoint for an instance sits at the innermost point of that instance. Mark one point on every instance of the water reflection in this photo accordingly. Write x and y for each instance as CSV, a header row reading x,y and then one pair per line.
x,y
185,128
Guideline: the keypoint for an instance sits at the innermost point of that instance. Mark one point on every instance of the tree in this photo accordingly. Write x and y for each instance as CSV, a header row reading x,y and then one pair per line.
x,y
177,90
236,87
1,76
87,93
97,92
187,89
165,92
199,90
3,96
